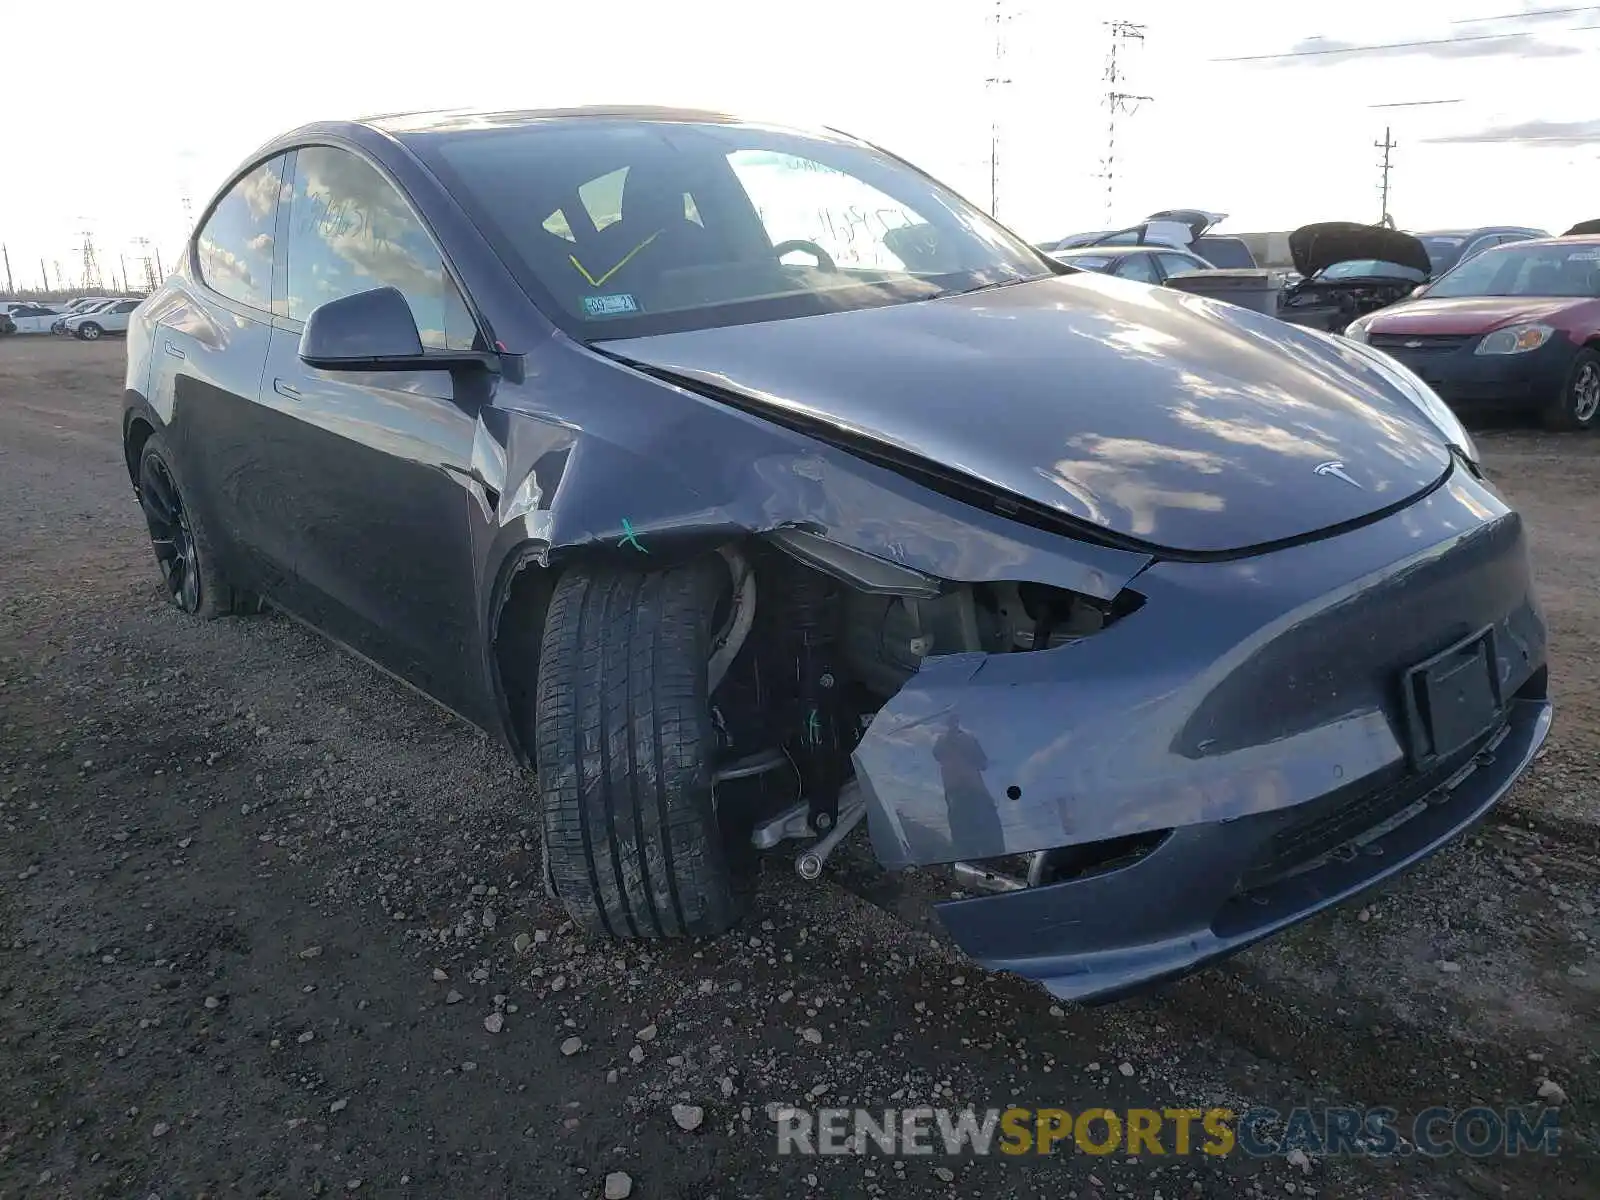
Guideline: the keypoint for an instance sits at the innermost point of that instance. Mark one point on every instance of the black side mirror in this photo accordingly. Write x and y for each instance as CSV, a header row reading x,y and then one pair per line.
x,y
375,331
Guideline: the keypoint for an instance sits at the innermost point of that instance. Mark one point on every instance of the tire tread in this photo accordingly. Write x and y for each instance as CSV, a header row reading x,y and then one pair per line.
x,y
623,738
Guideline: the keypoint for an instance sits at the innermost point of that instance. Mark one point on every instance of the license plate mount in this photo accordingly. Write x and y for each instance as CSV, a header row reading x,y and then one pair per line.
x,y
1452,698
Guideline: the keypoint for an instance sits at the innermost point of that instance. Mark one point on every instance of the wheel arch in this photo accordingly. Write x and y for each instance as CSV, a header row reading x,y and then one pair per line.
x,y
523,582
137,431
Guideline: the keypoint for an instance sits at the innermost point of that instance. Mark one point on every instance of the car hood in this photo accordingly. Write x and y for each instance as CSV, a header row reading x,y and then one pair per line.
x,y
1159,416
1316,247
1468,314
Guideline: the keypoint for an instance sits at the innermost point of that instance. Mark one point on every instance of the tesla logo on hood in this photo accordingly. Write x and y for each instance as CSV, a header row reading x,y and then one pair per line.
x,y
1335,470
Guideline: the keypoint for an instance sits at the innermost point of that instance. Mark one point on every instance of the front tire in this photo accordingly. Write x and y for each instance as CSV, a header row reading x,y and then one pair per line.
x,y
1577,406
624,742
178,536
89,331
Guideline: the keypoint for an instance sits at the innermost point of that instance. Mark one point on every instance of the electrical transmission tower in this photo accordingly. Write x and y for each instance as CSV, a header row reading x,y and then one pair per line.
x,y
91,264
1118,101
151,279
1384,168
994,83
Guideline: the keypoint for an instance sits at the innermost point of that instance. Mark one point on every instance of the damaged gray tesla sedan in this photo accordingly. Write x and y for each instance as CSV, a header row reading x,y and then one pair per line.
x,y
749,484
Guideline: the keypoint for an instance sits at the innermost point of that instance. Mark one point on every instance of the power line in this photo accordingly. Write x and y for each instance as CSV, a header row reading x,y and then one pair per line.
x,y
1526,13
1448,41
1413,103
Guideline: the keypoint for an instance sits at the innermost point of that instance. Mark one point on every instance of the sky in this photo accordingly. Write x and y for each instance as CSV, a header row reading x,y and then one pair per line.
x,y
1264,112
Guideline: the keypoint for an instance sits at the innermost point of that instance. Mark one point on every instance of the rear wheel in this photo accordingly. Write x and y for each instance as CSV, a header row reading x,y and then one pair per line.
x,y
179,538
625,747
89,331
1578,404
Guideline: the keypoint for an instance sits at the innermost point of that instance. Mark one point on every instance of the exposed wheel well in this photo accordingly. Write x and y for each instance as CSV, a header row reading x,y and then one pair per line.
x,y
139,431
517,631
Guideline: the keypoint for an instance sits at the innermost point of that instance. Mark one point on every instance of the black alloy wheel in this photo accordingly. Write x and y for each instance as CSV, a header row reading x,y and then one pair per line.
x,y
171,533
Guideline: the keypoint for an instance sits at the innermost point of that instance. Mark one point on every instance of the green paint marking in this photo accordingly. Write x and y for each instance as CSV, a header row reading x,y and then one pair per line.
x,y
629,538
813,728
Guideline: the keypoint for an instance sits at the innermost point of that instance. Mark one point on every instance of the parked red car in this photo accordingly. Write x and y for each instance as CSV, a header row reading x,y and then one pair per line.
x,y
1517,326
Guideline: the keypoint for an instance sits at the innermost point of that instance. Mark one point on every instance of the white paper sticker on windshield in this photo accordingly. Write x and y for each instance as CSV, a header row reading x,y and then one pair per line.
x,y
1584,256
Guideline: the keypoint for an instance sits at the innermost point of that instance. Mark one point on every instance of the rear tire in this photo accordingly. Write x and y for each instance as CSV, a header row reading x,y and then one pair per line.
x,y
625,746
1577,406
89,331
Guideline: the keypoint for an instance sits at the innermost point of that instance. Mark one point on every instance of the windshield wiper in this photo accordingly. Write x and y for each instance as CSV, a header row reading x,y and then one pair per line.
x,y
1000,283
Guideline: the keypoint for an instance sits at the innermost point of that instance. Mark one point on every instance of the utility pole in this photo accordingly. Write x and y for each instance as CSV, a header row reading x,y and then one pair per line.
x,y
1386,146
994,83
1117,100
6,252
44,275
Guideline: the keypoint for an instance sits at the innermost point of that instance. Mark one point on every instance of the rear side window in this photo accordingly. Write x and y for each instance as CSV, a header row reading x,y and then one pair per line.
x,y
235,244
1176,264
349,231
1139,266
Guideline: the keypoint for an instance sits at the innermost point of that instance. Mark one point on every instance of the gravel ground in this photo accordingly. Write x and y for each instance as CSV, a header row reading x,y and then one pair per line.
x,y
272,925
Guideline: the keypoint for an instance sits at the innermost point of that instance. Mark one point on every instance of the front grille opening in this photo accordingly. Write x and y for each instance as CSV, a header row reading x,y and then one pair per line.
x,y
1101,858
1340,827
1065,864
1421,342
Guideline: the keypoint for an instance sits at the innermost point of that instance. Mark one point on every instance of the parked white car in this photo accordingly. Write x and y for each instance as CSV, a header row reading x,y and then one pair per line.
x,y
96,323
78,307
31,318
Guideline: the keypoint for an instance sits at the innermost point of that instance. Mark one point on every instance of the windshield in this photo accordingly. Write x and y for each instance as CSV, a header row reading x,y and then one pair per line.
x,y
1370,268
624,228
1527,269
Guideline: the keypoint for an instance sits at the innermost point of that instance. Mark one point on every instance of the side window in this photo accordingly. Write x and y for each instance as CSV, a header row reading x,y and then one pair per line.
x,y
235,244
349,231
1173,264
127,306
1138,266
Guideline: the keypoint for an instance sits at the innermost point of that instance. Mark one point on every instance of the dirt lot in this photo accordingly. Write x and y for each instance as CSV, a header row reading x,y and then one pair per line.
x,y
258,906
